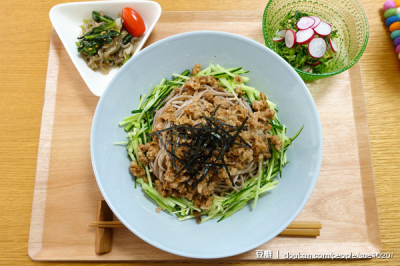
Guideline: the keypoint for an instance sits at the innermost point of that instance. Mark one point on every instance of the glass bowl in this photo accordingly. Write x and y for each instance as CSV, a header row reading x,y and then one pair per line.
x,y
346,16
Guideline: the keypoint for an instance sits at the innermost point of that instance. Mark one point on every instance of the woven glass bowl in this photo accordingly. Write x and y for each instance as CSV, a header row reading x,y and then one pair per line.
x,y
346,16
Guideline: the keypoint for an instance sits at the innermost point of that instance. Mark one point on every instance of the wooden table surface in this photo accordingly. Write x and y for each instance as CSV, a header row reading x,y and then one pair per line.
x,y
24,54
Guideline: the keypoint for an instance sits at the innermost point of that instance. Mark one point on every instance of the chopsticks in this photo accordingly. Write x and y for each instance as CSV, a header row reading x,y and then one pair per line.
x,y
105,225
305,225
310,229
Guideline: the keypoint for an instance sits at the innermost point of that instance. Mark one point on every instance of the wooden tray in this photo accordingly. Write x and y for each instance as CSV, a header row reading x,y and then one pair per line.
x,y
66,193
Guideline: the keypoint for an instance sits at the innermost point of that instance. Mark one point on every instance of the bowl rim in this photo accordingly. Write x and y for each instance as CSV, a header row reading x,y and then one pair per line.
x,y
234,251
322,75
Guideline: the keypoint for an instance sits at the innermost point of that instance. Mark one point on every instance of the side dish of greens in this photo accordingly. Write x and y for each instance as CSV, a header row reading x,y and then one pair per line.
x,y
306,42
106,42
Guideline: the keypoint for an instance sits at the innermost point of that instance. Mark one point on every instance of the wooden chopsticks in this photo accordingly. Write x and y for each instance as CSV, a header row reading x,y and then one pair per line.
x,y
311,229
108,224
305,225
105,224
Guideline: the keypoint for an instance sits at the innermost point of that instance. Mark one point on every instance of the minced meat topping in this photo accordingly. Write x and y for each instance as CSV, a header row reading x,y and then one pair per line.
x,y
237,158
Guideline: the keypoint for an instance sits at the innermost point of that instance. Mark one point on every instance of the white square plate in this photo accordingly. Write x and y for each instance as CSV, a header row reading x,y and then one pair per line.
x,y
67,18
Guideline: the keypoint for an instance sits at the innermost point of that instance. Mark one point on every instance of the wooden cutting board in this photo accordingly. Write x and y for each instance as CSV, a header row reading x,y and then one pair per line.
x,y
66,193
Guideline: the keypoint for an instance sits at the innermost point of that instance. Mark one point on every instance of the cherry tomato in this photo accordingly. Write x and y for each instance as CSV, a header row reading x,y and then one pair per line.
x,y
133,22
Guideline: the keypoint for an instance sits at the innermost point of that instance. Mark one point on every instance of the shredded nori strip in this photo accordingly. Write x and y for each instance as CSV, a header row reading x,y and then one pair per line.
x,y
230,136
217,121
203,146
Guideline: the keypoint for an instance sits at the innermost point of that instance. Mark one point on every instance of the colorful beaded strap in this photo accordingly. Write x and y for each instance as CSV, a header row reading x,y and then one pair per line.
x,y
392,16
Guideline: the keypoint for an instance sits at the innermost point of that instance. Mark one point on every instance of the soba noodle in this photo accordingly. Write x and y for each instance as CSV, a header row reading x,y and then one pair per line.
x,y
205,144
180,101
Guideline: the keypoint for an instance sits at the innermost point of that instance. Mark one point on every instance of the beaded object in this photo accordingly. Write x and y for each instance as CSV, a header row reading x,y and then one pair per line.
x,y
390,12
392,19
395,34
396,41
388,5
395,26
392,16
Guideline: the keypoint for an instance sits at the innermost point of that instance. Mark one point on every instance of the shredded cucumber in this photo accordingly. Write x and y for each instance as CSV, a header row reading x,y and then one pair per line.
x,y
138,128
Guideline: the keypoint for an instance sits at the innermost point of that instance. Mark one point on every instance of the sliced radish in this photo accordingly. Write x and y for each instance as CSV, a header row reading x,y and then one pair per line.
x,y
281,33
306,68
278,39
316,63
333,45
305,23
290,38
304,36
317,20
323,29
317,47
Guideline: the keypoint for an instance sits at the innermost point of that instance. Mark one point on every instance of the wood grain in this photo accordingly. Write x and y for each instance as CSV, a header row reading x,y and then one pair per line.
x,y
336,97
22,85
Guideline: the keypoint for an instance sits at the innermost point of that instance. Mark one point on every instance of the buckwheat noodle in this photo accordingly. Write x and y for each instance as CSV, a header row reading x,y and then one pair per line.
x,y
180,100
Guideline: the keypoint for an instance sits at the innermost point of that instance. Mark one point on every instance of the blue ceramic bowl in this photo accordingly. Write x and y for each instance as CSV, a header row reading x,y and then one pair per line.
x,y
248,228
